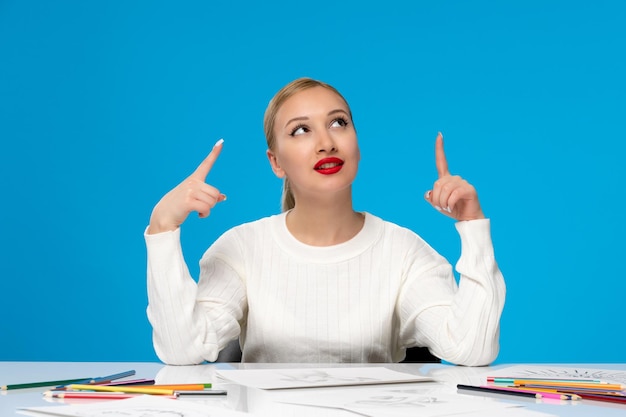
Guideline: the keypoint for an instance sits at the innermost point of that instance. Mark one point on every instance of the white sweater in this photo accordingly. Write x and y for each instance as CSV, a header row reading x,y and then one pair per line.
x,y
365,300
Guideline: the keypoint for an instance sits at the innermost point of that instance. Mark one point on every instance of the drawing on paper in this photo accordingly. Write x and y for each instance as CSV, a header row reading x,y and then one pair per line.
x,y
398,398
316,376
393,401
557,372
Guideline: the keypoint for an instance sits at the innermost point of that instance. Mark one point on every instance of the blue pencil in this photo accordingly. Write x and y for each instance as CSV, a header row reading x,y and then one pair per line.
x,y
102,379
113,377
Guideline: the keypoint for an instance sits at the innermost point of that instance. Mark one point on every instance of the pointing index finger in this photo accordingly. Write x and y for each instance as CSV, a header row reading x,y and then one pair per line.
x,y
440,157
205,166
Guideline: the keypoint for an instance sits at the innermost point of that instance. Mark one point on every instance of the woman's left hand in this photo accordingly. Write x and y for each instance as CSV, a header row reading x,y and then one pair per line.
x,y
451,194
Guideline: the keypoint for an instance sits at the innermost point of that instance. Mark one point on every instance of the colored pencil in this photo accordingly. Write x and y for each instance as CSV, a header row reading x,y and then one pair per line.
x,y
129,382
96,395
516,393
572,385
203,392
175,387
552,390
573,389
510,379
608,398
593,392
545,382
100,379
130,389
42,384
111,378
553,394
541,390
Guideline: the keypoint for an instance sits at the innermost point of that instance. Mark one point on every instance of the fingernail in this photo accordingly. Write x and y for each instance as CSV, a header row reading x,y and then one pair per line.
x,y
438,208
218,143
427,196
223,197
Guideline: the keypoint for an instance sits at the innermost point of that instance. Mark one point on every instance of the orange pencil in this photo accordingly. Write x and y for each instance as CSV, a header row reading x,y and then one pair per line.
x,y
129,389
572,385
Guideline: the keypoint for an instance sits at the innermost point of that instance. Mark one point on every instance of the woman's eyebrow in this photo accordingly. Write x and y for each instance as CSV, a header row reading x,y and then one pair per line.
x,y
295,119
337,111
299,118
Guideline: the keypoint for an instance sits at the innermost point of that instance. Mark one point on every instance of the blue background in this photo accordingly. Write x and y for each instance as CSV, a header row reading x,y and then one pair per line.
x,y
106,105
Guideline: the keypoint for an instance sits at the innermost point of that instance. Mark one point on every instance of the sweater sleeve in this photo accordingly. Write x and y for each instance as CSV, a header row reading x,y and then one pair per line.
x,y
191,322
458,323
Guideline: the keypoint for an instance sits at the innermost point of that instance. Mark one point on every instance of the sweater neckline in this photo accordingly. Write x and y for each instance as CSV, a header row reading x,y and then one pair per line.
x,y
365,238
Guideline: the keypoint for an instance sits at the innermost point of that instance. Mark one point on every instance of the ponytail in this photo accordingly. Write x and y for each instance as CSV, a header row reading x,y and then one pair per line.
x,y
288,200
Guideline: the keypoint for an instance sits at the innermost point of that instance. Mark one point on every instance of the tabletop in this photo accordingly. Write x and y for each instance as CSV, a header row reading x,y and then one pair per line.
x,y
259,402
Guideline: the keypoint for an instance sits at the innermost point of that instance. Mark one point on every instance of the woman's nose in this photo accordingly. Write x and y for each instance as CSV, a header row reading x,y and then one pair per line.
x,y
326,143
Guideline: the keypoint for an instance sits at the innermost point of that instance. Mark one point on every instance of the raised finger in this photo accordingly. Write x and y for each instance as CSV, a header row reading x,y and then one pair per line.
x,y
205,167
440,157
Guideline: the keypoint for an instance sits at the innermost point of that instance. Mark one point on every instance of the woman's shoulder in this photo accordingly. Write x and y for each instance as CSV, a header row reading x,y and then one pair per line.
x,y
244,236
394,231
389,226
260,224
247,230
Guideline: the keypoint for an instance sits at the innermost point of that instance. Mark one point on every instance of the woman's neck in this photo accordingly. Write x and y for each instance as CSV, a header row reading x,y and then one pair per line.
x,y
324,223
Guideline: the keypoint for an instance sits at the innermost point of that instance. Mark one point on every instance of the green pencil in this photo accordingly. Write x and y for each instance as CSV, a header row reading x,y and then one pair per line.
x,y
43,384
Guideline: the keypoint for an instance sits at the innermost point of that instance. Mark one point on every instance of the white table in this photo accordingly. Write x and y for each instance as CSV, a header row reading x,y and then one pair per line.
x,y
257,401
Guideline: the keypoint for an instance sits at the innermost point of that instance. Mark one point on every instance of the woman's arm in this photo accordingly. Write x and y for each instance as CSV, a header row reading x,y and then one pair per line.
x,y
459,324
179,326
191,322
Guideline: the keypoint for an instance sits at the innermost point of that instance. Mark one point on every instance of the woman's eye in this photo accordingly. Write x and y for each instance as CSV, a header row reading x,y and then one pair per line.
x,y
298,130
341,122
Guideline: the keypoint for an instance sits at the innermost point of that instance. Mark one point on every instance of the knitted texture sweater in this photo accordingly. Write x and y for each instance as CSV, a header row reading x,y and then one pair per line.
x,y
364,300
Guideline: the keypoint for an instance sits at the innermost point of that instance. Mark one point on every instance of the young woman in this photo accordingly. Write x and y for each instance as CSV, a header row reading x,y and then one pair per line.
x,y
321,282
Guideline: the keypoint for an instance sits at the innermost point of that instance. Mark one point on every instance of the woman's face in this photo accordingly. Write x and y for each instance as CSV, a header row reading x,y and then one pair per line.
x,y
316,146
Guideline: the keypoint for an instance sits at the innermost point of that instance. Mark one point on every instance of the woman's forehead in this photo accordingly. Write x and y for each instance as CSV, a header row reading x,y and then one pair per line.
x,y
309,102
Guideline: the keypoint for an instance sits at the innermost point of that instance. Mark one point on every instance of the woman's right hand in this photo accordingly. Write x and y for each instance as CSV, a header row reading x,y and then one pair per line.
x,y
193,194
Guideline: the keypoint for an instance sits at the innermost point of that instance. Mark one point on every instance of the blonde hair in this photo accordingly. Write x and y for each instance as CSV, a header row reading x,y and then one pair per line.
x,y
289,90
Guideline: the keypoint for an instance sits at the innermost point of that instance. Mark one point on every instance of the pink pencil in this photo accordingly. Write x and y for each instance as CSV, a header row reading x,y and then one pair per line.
x,y
96,395
540,394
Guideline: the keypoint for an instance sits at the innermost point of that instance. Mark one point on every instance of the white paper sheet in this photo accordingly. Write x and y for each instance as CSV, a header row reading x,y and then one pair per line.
x,y
562,372
317,377
424,400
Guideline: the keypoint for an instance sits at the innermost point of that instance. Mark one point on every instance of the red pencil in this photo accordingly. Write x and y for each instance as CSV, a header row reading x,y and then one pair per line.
x,y
608,398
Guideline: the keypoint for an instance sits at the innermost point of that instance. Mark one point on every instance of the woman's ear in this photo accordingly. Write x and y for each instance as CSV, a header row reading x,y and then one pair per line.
x,y
278,171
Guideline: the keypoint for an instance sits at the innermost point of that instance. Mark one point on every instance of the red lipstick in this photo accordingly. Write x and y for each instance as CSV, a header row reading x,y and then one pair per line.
x,y
328,166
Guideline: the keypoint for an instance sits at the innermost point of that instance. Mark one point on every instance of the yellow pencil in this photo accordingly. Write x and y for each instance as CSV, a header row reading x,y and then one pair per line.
x,y
131,389
598,386
176,387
